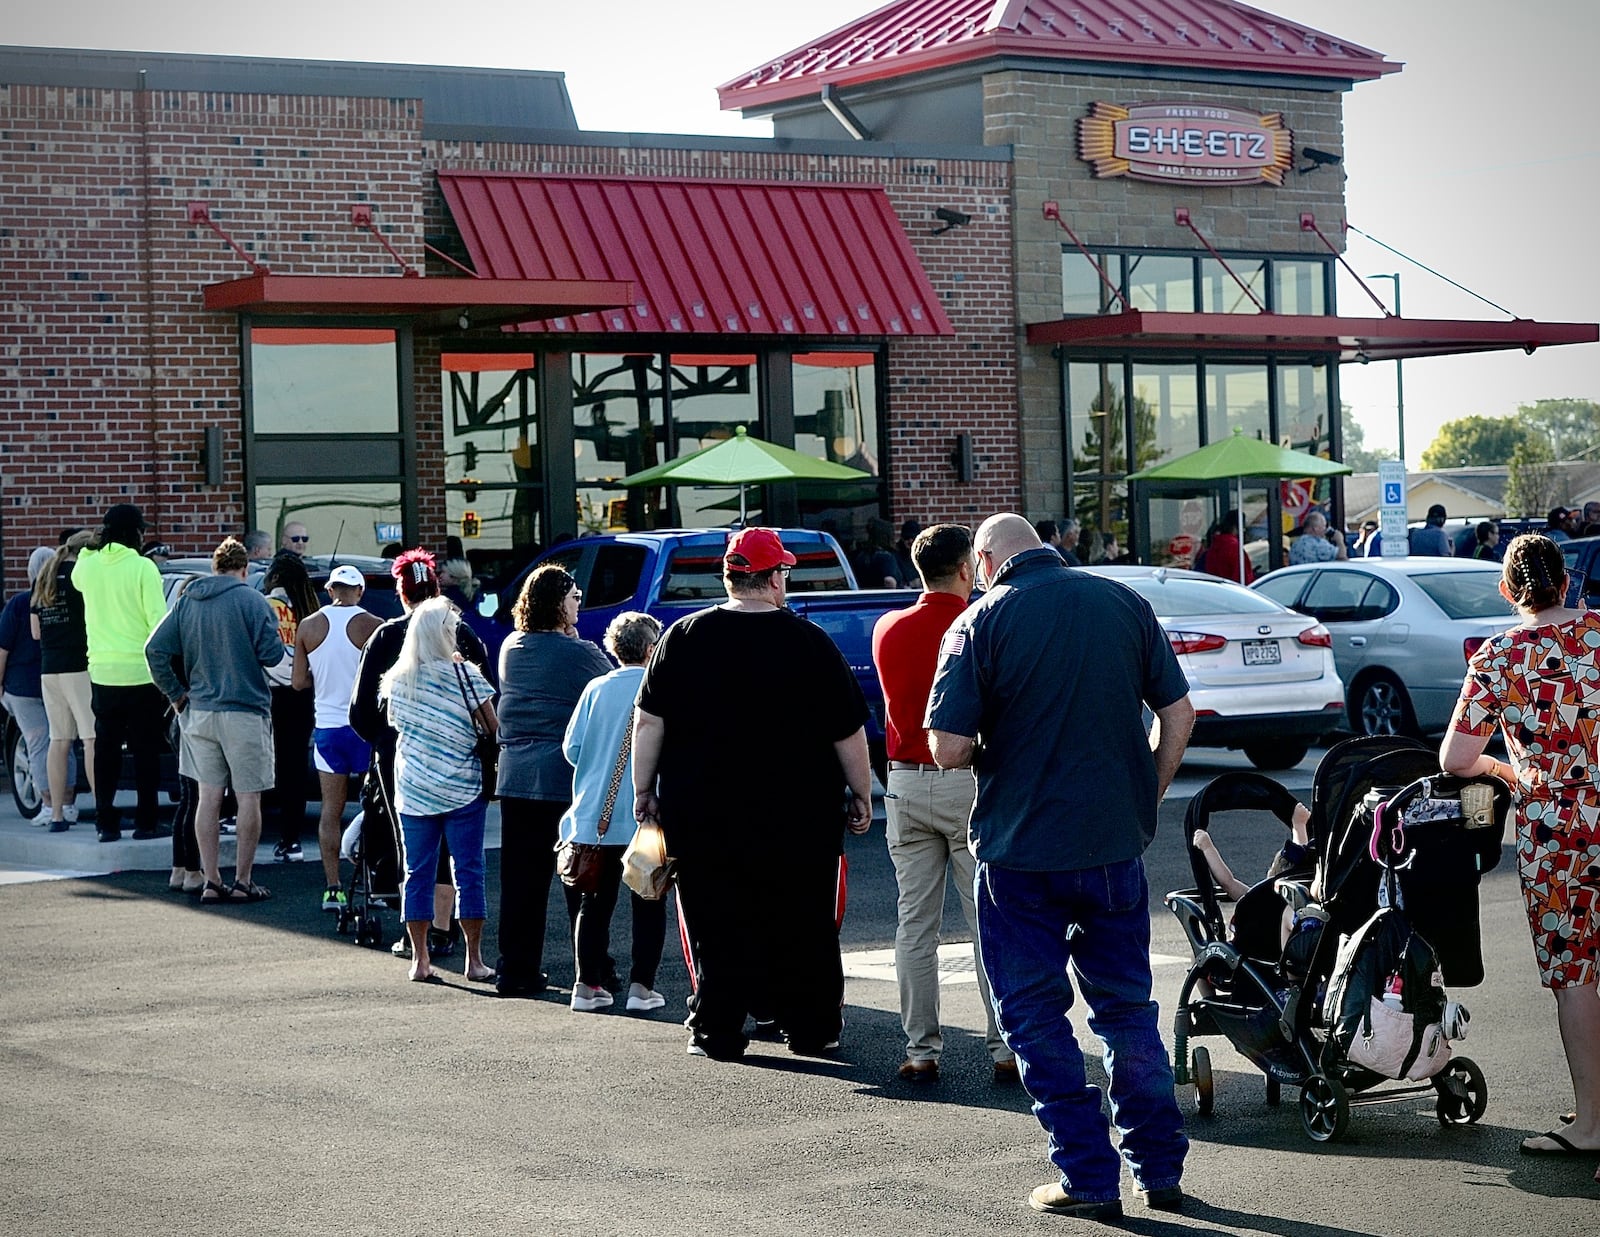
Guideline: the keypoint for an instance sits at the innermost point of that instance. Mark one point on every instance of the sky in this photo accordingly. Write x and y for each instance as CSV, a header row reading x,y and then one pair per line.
x,y
1480,159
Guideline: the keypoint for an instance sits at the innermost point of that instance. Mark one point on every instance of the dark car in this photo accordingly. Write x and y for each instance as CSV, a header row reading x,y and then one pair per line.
x,y
1582,556
380,597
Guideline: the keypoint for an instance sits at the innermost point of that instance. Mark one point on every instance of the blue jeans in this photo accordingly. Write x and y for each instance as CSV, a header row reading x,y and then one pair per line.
x,y
464,828
1030,925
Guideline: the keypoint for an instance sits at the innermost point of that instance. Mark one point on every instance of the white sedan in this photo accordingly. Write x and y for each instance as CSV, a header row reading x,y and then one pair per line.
x,y
1261,677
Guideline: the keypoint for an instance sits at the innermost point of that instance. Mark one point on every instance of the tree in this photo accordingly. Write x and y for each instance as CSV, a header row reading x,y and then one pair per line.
x,y
1355,446
1475,440
1532,487
1570,426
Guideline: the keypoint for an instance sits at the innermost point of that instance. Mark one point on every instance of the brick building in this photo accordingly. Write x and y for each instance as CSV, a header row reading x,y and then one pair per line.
x,y
398,303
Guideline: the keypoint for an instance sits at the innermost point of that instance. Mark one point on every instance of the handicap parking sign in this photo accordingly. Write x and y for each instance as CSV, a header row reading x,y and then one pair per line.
x,y
1393,493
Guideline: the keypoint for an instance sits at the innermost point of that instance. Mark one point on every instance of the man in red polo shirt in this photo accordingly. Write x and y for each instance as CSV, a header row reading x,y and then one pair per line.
x,y
927,806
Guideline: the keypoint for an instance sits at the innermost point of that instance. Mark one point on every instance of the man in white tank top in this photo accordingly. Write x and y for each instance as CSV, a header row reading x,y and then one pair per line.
x,y
327,653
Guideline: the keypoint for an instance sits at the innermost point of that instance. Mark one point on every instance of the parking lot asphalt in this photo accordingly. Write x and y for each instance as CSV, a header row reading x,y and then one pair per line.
x,y
175,1069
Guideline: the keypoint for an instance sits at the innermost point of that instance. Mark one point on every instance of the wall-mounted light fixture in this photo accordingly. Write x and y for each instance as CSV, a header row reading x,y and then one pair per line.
x,y
961,458
211,455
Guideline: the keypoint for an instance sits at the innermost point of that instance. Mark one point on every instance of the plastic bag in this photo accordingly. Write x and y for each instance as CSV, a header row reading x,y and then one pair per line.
x,y
646,867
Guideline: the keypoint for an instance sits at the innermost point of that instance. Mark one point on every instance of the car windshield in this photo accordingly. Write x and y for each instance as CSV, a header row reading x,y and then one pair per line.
x,y
1174,597
1465,594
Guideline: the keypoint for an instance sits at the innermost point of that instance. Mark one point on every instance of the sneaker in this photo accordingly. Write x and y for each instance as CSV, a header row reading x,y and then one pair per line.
x,y
695,1050
70,813
289,852
641,998
151,833
40,816
109,835
1052,1198
1163,1198
585,1000
401,948
807,1048
334,899
441,942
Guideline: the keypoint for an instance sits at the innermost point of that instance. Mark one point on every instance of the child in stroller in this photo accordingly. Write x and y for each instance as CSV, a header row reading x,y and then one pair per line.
x,y
1294,856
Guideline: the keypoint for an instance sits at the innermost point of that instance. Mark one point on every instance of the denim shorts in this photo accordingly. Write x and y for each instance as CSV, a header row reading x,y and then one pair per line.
x,y
339,749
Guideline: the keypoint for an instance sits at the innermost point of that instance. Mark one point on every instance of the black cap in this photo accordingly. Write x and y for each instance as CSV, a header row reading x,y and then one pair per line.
x,y
1437,512
124,518
1557,514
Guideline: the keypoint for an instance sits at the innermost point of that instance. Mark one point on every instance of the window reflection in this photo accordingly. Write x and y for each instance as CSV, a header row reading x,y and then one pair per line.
x,y
324,380
493,466
1236,399
836,419
1163,284
1101,508
1299,287
1166,400
1221,293
339,517
712,396
1082,289
619,427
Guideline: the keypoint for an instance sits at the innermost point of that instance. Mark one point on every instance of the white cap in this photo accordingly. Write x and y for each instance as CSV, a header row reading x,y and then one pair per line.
x,y
344,573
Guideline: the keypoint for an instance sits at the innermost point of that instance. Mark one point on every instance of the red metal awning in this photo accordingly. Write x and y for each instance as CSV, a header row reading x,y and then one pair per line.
x,y
704,257
1336,339
433,303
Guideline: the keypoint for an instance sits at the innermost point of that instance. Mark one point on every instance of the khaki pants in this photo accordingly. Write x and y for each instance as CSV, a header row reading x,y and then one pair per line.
x,y
928,811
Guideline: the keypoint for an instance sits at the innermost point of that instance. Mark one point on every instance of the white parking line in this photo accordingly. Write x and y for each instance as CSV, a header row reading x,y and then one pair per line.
x,y
955,964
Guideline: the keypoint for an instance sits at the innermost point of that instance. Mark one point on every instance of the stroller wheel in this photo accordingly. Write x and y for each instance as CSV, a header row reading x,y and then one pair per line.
x,y
1324,1108
1274,1092
1463,1092
345,923
1205,1087
372,930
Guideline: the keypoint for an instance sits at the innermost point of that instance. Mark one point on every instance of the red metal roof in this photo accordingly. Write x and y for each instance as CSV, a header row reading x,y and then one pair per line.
x,y
1341,339
705,257
431,302
914,36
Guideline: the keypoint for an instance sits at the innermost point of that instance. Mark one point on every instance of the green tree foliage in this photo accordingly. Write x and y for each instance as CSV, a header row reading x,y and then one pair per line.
x,y
1356,453
1571,427
1532,487
1474,441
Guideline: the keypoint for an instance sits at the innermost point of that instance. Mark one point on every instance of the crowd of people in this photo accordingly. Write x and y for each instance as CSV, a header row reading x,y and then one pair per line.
x,y
989,784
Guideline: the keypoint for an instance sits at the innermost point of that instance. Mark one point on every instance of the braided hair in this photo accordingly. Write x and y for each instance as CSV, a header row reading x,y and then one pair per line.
x,y
1534,571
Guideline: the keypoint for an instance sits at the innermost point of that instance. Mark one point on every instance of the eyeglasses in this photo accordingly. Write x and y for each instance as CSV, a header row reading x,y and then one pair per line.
x,y
299,538
783,571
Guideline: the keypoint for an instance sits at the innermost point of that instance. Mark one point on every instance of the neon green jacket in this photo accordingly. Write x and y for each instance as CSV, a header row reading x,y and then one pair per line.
x,y
122,603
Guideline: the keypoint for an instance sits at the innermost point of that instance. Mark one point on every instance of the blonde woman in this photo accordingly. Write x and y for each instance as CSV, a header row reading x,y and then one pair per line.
x,y
433,697
57,619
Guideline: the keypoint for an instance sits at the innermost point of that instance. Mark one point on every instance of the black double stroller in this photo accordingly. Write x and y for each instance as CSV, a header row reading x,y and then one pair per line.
x,y
1388,895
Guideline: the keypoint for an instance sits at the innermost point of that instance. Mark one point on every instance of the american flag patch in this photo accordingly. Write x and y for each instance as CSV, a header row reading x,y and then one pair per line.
x,y
954,642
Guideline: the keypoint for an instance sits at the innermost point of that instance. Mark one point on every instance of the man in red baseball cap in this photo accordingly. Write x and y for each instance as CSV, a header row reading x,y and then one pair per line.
x,y
750,748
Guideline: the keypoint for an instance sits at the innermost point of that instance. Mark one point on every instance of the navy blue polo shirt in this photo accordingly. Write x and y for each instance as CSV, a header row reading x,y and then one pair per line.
x,y
1051,672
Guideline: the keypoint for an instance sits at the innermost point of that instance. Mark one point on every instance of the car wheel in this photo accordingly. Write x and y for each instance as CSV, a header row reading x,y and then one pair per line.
x,y
1276,754
23,791
1380,706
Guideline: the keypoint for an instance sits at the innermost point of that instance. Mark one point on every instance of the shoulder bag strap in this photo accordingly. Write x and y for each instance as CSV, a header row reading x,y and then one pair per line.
x,y
616,780
464,682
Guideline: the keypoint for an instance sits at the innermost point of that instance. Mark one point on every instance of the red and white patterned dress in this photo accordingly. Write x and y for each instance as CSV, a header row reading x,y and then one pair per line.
x,y
1541,686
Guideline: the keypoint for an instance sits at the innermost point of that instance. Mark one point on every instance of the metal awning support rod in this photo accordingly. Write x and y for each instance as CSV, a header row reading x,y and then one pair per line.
x,y
1181,216
200,213
361,217
1515,317
444,257
1052,210
1308,223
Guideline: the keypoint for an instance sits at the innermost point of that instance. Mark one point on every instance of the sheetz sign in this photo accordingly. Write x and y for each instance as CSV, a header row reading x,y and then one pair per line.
x,y
1186,143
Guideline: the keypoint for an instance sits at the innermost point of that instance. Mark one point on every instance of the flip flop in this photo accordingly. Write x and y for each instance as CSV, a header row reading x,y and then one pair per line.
x,y
1562,1146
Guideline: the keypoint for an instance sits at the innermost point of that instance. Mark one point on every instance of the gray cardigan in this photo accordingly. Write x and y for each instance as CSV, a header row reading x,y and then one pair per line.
x,y
542,674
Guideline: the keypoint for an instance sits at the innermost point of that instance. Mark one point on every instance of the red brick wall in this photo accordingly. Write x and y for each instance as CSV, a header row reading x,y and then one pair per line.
x,y
110,369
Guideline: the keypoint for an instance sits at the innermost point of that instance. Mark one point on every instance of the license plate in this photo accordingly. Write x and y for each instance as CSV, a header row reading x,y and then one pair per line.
x,y
1262,653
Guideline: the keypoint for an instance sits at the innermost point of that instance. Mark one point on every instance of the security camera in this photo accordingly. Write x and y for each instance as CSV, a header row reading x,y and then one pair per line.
x,y
950,219
1319,159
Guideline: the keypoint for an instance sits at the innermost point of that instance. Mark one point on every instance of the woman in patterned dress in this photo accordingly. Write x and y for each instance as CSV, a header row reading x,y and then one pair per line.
x,y
1539,683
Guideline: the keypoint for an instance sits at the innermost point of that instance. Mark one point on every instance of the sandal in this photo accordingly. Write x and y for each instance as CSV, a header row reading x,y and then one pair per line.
x,y
212,894
248,893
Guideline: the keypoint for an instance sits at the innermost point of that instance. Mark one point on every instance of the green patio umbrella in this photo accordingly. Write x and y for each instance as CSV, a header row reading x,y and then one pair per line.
x,y
1238,457
742,461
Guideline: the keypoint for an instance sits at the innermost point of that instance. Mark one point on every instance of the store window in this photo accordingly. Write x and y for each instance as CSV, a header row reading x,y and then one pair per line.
x,y
494,472
1166,409
324,380
1303,408
1182,283
1161,283
1236,399
712,397
1299,287
836,419
1099,439
1083,291
1222,293
340,516
619,423
1100,505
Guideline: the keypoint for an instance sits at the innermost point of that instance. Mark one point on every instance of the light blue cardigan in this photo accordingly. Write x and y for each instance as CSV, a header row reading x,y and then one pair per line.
x,y
594,737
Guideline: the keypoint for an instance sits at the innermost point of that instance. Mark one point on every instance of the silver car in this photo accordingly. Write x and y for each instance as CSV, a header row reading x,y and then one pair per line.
x,y
1261,677
1403,629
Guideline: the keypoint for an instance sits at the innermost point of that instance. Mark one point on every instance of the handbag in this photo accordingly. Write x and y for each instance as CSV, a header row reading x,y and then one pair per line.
x,y
579,863
646,867
485,746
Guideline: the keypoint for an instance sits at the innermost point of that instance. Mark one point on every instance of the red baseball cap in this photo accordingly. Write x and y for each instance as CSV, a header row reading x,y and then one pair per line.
x,y
756,549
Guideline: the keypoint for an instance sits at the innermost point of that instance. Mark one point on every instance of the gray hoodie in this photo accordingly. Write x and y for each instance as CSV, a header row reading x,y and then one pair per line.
x,y
219,637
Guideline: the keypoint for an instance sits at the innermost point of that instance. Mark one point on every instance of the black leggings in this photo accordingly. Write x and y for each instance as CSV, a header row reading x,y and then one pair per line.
x,y
185,846
293,714
528,829
593,930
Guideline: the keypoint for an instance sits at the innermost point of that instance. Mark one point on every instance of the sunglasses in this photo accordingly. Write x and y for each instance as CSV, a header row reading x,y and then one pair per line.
x,y
299,538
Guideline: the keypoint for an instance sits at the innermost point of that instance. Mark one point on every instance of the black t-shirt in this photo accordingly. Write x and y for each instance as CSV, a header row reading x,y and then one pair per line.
x,y
63,638
753,704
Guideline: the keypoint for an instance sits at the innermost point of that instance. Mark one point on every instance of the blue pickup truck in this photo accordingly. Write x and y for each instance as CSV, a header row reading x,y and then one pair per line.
x,y
676,572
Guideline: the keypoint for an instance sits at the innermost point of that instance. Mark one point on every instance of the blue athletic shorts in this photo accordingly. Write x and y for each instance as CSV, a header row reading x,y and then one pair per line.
x,y
339,749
